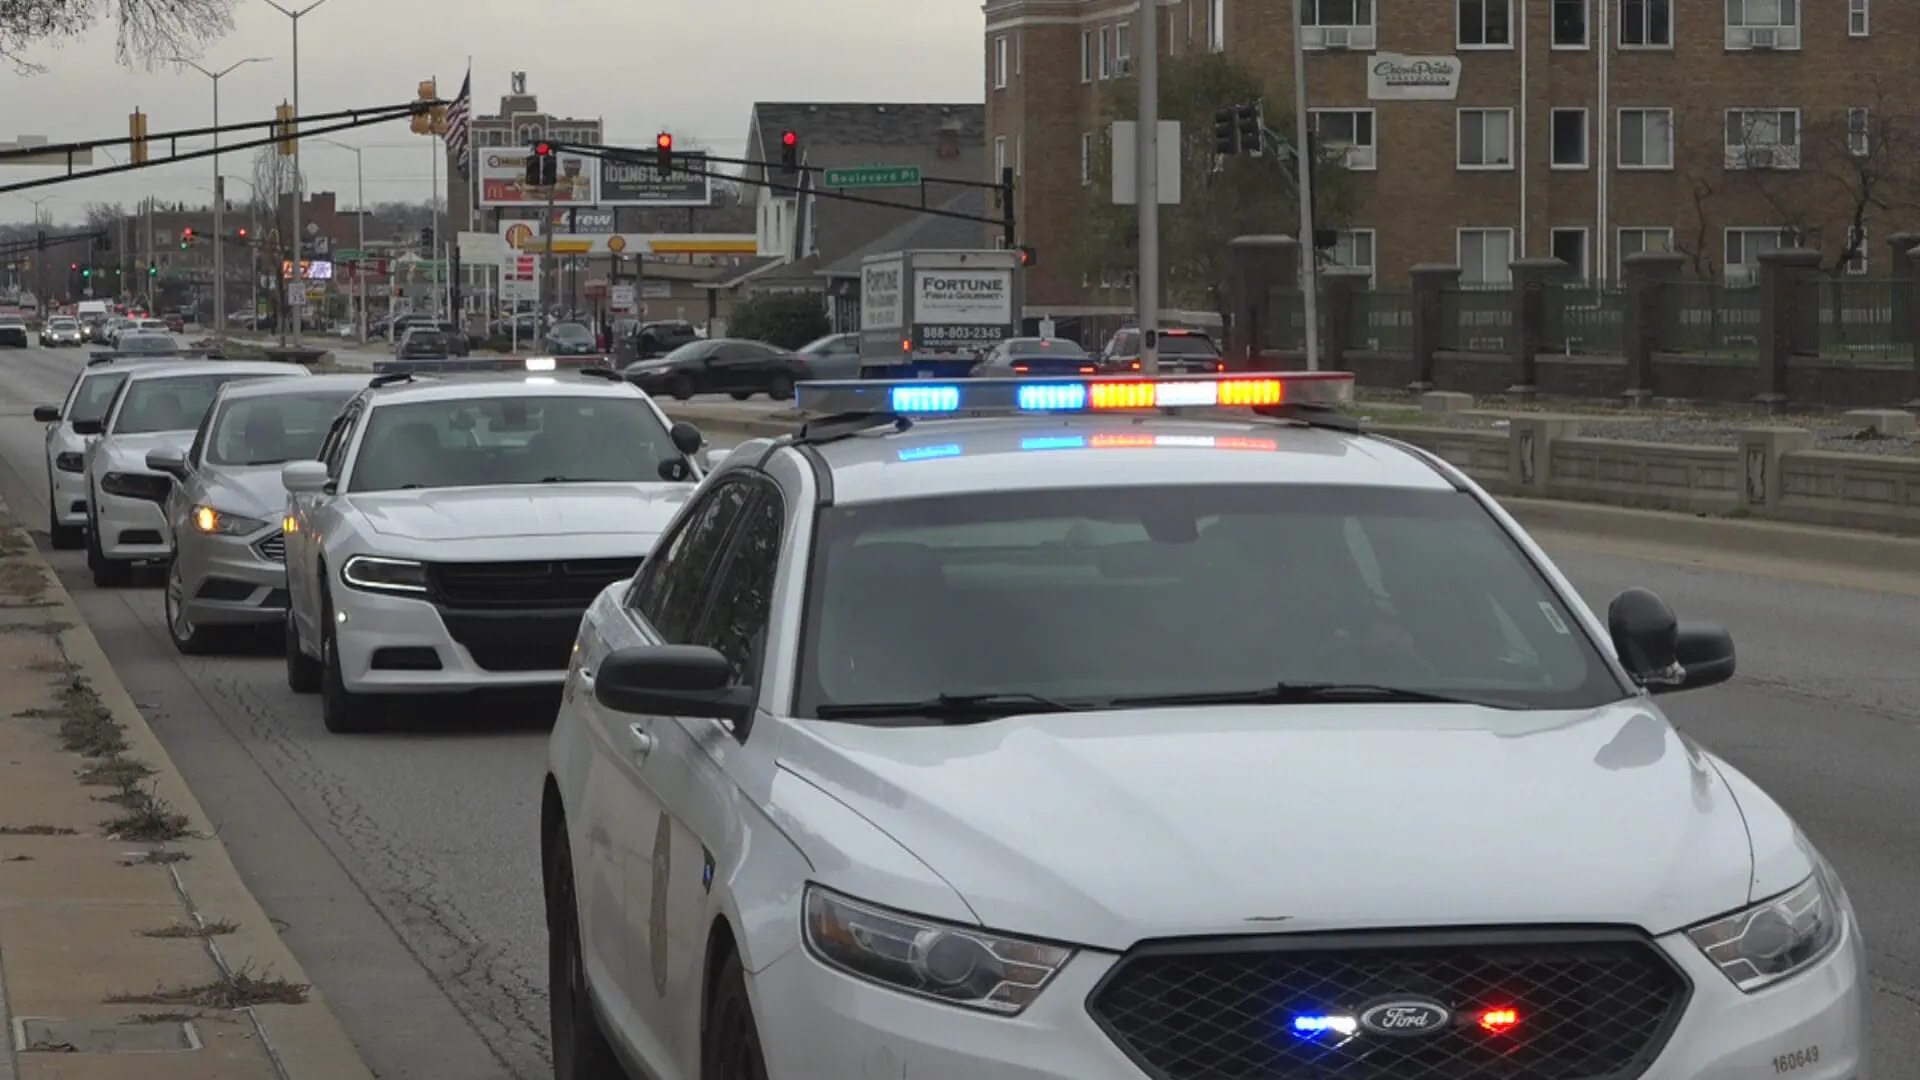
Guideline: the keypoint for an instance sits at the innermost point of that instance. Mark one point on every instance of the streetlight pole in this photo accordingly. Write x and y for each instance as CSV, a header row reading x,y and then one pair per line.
x,y
299,267
1147,186
1303,148
219,192
360,221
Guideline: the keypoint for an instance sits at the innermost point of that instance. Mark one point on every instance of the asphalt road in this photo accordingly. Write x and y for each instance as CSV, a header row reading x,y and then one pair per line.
x,y
402,868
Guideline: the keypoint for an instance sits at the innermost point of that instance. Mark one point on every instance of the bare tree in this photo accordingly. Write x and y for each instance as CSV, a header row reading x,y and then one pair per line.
x,y
1833,181
1698,247
275,181
146,32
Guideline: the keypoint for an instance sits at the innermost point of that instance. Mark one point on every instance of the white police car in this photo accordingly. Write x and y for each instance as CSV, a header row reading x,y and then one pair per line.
x,y
1086,728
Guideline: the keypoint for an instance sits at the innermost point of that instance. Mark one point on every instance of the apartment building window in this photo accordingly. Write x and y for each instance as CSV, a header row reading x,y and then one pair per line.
x,y
1570,247
1859,22
1744,248
1570,23
1646,138
1763,139
1646,24
1122,49
1569,138
1763,24
1106,52
1486,257
1353,249
1857,246
999,154
1000,62
1860,132
1486,139
1337,24
1633,240
1086,158
1486,24
1350,131
1086,56
1217,25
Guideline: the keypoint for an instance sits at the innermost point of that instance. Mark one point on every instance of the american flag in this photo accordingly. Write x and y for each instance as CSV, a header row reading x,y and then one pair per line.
x,y
459,117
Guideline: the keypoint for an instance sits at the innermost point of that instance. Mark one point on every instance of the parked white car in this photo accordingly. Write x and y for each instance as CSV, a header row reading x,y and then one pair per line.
x,y
88,399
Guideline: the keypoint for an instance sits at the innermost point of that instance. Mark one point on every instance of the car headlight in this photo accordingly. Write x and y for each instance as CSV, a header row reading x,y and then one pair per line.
x,y
69,461
378,574
959,965
220,523
136,486
1775,938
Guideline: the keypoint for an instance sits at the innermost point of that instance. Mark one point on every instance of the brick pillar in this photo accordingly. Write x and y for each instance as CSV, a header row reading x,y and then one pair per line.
x,y
1650,297
1906,324
1257,266
1338,286
1784,332
1531,279
1429,281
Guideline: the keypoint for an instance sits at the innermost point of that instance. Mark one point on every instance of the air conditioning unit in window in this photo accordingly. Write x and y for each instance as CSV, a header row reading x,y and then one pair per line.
x,y
1123,67
1336,37
1741,276
1765,38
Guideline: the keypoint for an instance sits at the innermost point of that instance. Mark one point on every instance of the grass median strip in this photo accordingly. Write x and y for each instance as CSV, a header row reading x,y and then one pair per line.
x,y
216,928
239,989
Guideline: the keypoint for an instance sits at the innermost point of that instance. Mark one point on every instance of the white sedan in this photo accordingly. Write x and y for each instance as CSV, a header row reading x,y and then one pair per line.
x,y
453,531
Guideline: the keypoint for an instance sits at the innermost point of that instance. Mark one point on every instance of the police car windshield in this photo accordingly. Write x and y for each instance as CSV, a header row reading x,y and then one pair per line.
x,y
146,343
487,441
274,430
1082,597
172,403
95,396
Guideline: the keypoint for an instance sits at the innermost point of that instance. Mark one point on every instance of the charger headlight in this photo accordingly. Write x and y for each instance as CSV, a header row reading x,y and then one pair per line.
x,y
208,520
377,573
1778,937
960,965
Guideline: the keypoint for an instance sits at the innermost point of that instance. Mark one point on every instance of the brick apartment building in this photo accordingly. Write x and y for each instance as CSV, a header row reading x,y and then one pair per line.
x,y
1577,129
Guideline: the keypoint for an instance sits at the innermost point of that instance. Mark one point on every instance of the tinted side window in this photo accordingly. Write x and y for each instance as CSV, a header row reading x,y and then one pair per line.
x,y
199,447
672,584
334,450
742,591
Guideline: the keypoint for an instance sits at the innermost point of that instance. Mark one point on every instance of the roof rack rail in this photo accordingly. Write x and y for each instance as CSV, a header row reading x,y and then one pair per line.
x,y
390,378
1311,414
820,430
599,372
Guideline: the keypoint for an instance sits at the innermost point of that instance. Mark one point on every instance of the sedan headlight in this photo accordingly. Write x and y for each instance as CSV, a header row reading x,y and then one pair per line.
x,y
137,486
377,574
959,965
1776,938
220,523
69,461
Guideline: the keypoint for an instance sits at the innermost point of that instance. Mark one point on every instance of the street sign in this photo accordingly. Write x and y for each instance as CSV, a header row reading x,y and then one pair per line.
x,y
874,176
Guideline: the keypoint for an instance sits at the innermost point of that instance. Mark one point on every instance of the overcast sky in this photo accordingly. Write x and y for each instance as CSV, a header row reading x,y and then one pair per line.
x,y
693,68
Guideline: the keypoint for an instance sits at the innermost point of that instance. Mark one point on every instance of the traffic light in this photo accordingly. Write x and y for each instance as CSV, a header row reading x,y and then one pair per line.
x,y
284,128
186,239
665,144
1250,128
86,271
73,266
790,153
423,117
153,271
1027,256
1226,139
243,234
426,240
137,138
543,168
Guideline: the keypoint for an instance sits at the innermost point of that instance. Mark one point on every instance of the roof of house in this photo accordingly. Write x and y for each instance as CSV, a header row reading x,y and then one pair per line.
x,y
925,232
862,124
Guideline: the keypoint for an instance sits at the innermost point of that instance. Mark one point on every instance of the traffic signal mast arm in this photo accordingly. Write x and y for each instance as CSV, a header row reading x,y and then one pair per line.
x,y
343,120
10,248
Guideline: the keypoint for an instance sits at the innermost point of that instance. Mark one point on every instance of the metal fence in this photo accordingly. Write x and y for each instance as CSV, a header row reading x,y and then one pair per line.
x,y
1477,320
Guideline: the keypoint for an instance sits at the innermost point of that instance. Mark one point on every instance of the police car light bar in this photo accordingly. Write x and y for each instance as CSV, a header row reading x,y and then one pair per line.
x,y
540,363
981,397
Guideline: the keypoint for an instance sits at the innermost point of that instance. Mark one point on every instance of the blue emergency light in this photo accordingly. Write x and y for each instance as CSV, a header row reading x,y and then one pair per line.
x,y
1085,394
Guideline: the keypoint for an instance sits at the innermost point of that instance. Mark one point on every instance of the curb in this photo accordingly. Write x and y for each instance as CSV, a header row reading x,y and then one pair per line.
x,y
305,1041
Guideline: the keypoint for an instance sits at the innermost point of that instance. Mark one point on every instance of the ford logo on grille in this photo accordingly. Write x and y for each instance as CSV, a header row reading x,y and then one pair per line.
x,y
1407,1016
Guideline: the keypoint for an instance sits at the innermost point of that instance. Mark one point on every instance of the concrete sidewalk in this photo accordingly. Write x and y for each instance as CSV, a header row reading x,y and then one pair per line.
x,y
129,947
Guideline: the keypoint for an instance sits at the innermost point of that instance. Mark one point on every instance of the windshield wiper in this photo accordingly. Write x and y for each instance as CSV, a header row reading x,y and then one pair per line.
x,y
954,708
1303,693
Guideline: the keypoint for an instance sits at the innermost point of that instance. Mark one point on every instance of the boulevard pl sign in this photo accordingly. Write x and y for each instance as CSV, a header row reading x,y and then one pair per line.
x,y
874,176
632,183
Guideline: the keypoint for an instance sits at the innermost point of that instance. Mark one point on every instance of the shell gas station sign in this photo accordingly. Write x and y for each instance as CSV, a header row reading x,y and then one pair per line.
x,y
526,236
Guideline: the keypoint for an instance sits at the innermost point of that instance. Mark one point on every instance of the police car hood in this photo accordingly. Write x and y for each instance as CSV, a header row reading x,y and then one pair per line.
x,y
522,510
1111,827
128,453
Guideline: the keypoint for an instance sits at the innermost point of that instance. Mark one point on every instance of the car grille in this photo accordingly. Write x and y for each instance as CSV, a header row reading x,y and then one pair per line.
x,y
520,616
1588,1005
273,548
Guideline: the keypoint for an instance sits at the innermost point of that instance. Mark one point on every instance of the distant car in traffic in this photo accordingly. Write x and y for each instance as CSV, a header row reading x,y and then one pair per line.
x,y
227,504
13,332
732,366
60,331
1181,352
88,398
648,340
836,356
569,339
176,323
1035,356
426,341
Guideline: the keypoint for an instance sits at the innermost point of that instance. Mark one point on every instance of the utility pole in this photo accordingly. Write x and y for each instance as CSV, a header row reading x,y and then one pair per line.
x,y
1147,144
1303,149
219,193
299,270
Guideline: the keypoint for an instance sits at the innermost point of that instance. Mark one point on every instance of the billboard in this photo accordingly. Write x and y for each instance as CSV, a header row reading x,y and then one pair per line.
x,y
962,309
639,183
503,180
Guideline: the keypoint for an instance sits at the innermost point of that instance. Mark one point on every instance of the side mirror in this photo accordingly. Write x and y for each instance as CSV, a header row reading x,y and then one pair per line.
x,y
171,462
672,680
46,414
711,458
89,427
686,438
304,477
1659,653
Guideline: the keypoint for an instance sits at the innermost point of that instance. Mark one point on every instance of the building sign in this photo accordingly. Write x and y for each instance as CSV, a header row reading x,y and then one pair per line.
x,y
634,183
585,220
880,295
1392,77
503,180
962,309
